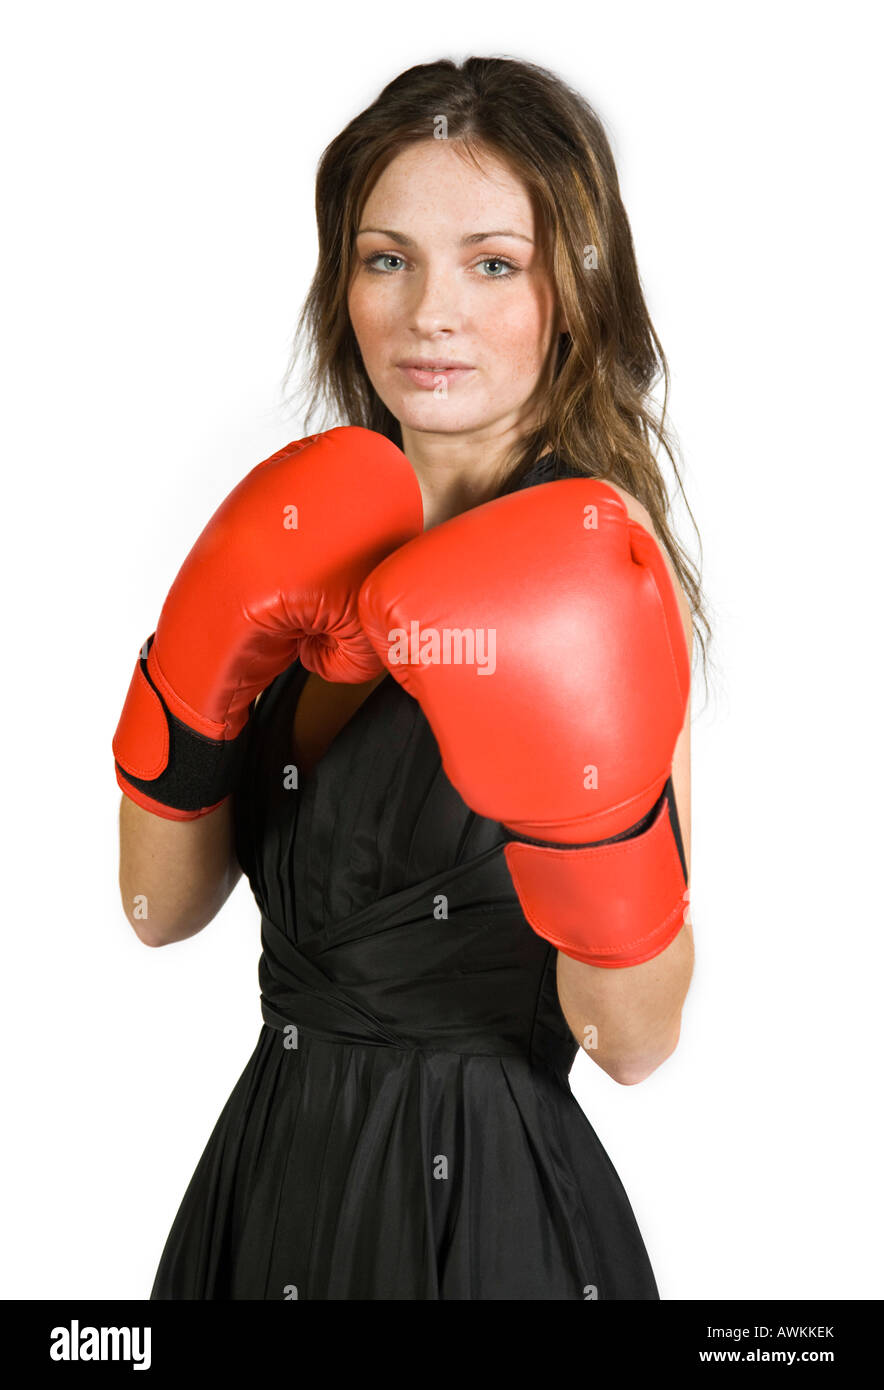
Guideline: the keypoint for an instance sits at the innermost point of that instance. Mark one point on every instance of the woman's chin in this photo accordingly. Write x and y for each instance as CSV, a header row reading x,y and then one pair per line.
x,y
437,416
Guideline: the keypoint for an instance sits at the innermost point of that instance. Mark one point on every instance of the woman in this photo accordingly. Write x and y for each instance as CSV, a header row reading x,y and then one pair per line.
x,y
405,1128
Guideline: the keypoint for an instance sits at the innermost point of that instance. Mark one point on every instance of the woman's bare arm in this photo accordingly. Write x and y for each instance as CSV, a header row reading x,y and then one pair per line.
x,y
175,875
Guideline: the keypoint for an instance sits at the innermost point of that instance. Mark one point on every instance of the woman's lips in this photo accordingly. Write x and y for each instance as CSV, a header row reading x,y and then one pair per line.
x,y
429,377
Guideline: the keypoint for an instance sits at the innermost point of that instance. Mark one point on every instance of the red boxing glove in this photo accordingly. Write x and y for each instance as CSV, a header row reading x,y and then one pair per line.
x,y
274,576
541,634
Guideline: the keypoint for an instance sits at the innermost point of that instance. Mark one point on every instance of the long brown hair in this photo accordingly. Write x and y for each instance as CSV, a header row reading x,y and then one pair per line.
x,y
598,413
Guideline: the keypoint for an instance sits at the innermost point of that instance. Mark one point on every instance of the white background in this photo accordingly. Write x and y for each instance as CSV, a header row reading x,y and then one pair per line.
x,y
159,237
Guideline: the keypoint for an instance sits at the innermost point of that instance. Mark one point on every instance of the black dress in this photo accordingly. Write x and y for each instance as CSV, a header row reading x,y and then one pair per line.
x,y
404,1128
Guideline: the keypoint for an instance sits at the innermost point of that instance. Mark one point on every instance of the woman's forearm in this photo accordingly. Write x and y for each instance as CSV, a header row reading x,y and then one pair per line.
x,y
628,1021
175,875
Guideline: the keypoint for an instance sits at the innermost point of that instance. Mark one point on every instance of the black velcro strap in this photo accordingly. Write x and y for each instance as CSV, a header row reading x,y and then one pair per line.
x,y
200,771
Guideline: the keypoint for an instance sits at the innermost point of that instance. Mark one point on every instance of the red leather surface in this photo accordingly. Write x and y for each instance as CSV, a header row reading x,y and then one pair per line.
x,y
254,592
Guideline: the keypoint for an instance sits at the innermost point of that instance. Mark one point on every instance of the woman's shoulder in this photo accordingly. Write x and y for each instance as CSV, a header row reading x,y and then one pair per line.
x,y
552,466
637,511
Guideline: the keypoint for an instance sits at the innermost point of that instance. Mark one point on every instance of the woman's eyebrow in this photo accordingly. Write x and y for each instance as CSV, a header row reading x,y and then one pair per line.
x,y
404,240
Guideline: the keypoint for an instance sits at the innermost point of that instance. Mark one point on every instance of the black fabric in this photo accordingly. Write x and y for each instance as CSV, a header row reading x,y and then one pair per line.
x,y
404,1128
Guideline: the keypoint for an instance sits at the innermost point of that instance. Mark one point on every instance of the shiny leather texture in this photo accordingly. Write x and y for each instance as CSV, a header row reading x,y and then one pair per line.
x,y
273,577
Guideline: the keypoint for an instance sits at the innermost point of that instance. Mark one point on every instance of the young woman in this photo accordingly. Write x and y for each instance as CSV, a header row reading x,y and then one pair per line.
x,y
469,870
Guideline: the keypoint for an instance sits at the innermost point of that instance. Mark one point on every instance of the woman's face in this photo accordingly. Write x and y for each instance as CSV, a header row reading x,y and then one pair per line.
x,y
449,269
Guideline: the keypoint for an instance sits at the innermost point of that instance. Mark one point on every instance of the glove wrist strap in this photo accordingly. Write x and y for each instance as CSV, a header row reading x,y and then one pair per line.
x,y
611,904
162,764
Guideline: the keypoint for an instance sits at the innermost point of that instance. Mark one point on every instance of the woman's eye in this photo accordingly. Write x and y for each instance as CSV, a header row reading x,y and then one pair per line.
x,y
510,268
498,260
379,255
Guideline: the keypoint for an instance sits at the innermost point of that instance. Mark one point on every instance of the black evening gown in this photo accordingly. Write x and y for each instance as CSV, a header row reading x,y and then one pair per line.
x,y
404,1128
